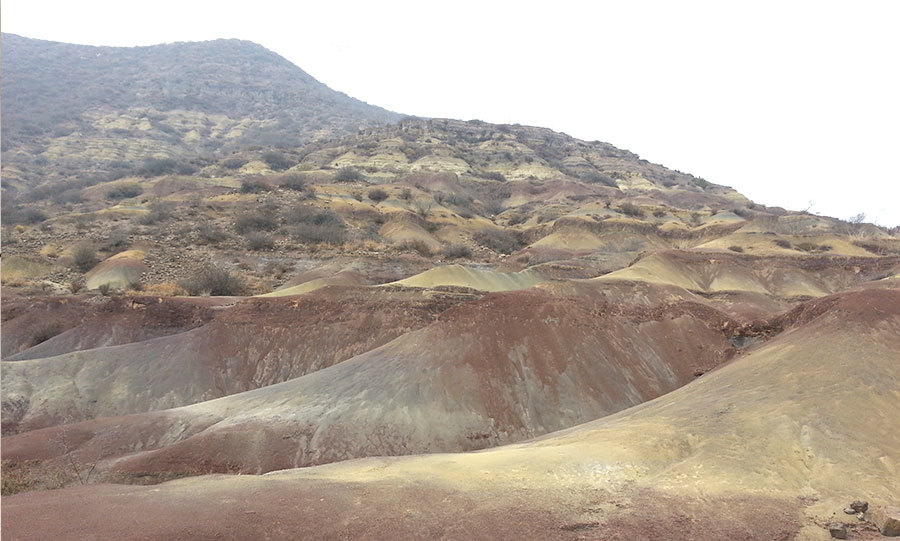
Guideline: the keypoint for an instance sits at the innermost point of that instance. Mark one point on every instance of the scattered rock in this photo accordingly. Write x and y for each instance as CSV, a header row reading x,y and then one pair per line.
x,y
859,506
886,519
837,530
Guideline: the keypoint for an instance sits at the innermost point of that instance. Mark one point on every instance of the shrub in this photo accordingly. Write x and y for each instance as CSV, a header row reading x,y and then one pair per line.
x,y
259,241
348,174
659,213
277,161
159,212
318,234
630,209
45,332
783,244
233,163
405,194
595,177
305,214
293,182
416,245
702,183
124,191
255,221
498,240
213,280
23,216
736,249
154,167
457,251
377,195
812,247
84,257
210,234
494,175
254,185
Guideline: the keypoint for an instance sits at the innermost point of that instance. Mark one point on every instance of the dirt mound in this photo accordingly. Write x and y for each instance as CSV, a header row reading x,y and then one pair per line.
x,y
508,367
119,271
483,280
255,343
342,278
769,446
785,277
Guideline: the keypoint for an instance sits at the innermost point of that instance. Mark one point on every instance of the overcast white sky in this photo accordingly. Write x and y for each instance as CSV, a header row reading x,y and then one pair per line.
x,y
791,103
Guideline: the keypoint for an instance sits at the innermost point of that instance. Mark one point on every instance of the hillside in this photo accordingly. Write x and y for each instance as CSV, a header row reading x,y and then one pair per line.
x,y
298,315
77,110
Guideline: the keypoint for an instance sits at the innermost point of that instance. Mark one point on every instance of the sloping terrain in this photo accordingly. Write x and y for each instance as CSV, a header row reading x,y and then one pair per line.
x,y
769,446
256,343
68,107
508,367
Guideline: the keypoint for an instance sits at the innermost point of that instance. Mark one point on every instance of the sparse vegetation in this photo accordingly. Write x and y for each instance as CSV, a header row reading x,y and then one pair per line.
x,y
159,211
277,161
630,209
125,190
595,177
259,241
254,185
293,181
735,248
781,243
457,251
45,332
498,240
213,280
255,221
416,245
209,233
349,174
84,257
377,195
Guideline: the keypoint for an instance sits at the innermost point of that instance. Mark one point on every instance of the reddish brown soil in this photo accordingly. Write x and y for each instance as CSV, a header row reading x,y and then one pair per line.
x,y
256,343
268,508
85,323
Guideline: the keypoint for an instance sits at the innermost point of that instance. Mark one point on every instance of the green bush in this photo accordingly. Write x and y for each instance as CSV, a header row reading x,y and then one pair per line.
x,y
630,209
277,161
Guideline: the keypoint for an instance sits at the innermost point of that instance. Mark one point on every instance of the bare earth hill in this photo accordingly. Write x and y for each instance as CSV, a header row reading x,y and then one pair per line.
x,y
295,315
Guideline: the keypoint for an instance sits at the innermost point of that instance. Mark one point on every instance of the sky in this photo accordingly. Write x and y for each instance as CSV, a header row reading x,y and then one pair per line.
x,y
792,103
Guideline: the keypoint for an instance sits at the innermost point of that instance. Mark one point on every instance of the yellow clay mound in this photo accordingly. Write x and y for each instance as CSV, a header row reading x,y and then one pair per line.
x,y
484,280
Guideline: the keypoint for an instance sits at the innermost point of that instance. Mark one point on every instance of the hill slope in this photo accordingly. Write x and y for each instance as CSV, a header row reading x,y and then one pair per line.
x,y
80,109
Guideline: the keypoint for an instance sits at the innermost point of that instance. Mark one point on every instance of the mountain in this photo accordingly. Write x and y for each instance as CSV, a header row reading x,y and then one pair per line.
x,y
76,110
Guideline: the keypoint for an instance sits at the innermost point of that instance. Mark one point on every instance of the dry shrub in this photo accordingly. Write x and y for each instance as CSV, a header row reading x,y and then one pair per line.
x,y
213,280
415,245
498,240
